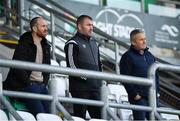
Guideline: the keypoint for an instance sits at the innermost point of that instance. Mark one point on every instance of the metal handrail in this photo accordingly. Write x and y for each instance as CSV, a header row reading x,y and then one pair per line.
x,y
92,74
73,72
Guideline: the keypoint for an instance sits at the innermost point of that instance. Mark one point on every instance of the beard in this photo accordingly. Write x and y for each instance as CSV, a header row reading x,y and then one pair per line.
x,y
42,34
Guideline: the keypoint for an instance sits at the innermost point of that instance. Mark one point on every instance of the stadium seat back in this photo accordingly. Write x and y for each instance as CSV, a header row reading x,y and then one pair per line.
x,y
25,115
47,117
3,116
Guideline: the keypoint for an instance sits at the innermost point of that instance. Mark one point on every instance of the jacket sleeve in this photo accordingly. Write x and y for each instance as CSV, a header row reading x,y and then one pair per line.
x,y
126,69
46,60
99,60
72,55
21,54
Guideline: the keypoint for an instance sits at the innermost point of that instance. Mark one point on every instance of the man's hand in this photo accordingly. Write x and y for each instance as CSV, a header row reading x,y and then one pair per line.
x,y
138,97
84,78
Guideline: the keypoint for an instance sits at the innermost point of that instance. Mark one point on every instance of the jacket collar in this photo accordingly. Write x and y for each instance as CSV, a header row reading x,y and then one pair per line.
x,y
84,37
132,48
27,38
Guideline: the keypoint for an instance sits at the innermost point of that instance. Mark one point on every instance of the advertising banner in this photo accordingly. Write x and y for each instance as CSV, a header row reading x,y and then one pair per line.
x,y
160,31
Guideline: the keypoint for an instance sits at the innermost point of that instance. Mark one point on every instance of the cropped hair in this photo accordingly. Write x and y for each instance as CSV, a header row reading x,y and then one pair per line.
x,y
33,22
134,32
81,18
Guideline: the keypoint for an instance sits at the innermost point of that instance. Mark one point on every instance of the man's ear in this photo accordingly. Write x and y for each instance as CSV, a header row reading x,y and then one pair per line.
x,y
79,27
34,28
132,42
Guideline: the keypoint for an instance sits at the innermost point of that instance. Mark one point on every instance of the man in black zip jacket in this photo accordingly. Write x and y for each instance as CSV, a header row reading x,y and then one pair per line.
x,y
32,47
82,52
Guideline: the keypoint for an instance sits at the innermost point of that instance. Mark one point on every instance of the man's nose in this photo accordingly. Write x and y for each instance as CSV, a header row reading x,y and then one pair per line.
x,y
91,27
46,28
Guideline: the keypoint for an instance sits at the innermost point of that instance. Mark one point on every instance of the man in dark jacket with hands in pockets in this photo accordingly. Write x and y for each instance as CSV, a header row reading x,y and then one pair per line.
x,y
135,62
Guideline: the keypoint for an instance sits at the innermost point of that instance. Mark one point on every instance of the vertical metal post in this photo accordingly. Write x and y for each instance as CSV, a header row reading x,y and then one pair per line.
x,y
104,98
100,2
52,35
143,6
9,14
21,13
152,102
53,92
152,91
117,58
1,88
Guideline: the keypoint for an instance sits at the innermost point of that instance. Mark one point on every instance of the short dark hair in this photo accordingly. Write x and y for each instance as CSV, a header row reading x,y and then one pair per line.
x,y
33,22
81,18
134,32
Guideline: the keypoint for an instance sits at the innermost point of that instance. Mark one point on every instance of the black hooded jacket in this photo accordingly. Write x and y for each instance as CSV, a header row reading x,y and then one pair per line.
x,y
26,51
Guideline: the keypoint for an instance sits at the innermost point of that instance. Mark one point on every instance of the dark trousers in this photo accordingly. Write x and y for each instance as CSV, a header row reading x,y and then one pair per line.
x,y
80,110
140,115
37,106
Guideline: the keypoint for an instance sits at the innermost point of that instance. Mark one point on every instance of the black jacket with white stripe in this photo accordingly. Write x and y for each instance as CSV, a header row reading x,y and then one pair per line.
x,y
83,53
